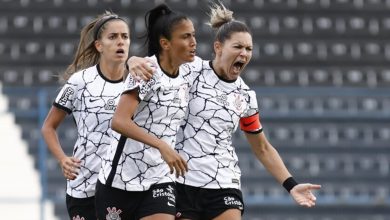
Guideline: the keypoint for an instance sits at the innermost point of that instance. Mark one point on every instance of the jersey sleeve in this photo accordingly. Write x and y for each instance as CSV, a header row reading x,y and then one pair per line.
x,y
67,95
250,121
142,86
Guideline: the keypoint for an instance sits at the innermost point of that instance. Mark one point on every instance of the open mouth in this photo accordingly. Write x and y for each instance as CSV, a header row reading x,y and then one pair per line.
x,y
120,51
193,52
237,66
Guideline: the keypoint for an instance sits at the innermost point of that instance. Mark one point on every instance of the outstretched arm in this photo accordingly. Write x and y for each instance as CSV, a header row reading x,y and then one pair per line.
x,y
270,158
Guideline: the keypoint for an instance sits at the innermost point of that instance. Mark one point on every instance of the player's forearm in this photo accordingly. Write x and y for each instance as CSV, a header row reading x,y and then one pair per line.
x,y
51,138
131,130
272,161
268,156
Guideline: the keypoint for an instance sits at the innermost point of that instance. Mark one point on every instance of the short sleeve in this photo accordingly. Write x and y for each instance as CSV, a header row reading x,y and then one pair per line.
x,y
252,104
143,87
250,121
67,95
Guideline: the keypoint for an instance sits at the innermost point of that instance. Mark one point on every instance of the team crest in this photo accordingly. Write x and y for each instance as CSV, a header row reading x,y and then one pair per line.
x,y
238,102
113,214
110,105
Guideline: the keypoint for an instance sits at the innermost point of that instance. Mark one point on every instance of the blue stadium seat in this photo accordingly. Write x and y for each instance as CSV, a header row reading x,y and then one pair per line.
x,y
319,68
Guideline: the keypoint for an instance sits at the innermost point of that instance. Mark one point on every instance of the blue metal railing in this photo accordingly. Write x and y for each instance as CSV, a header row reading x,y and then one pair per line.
x,y
42,111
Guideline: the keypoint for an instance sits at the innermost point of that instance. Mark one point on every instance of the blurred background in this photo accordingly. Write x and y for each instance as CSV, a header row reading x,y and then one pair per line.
x,y
320,69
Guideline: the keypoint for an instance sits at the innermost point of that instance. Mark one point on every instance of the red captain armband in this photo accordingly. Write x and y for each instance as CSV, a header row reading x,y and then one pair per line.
x,y
251,124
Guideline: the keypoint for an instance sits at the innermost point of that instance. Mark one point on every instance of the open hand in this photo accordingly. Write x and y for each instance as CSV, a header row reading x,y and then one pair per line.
x,y
302,194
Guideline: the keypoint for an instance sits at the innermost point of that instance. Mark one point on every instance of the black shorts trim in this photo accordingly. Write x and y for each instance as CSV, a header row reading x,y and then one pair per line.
x,y
110,201
79,208
197,203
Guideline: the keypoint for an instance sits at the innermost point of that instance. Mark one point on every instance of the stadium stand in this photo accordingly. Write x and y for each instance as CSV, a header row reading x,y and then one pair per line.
x,y
320,69
22,190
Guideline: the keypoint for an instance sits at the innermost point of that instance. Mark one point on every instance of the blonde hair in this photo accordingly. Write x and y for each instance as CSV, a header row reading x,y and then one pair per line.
x,y
219,15
87,54
223,22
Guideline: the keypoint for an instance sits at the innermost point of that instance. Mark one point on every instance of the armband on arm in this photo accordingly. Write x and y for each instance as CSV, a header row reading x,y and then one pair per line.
x,y
251,124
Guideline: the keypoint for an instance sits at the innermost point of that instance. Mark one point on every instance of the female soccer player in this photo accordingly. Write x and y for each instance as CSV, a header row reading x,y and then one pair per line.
x,y
94,82
220,101
137,180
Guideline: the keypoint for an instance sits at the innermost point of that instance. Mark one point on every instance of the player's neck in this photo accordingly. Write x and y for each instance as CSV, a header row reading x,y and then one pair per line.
x,y
112,72
168,66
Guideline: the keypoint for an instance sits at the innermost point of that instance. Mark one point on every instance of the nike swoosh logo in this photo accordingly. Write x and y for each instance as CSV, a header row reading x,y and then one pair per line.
x,y
166,93
248,124
206,87
93,100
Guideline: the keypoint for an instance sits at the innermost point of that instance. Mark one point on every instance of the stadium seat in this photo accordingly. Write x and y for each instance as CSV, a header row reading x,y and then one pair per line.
x,y
319,69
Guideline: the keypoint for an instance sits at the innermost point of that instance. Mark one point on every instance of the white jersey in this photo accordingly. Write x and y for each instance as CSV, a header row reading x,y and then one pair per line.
x,y
134,166
91,98
205,138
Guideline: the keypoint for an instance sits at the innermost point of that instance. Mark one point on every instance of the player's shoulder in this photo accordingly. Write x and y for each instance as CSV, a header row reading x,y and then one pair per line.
x,y
198,64
84,75
241,84
245,89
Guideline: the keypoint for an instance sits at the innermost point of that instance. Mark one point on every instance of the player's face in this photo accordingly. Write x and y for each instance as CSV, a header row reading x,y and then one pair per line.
x,y
114,42
182,46
233,55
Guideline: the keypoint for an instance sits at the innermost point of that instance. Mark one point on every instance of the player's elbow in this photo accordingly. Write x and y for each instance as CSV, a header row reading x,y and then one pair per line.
x,y
45,129
259,143
115,123
261,148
